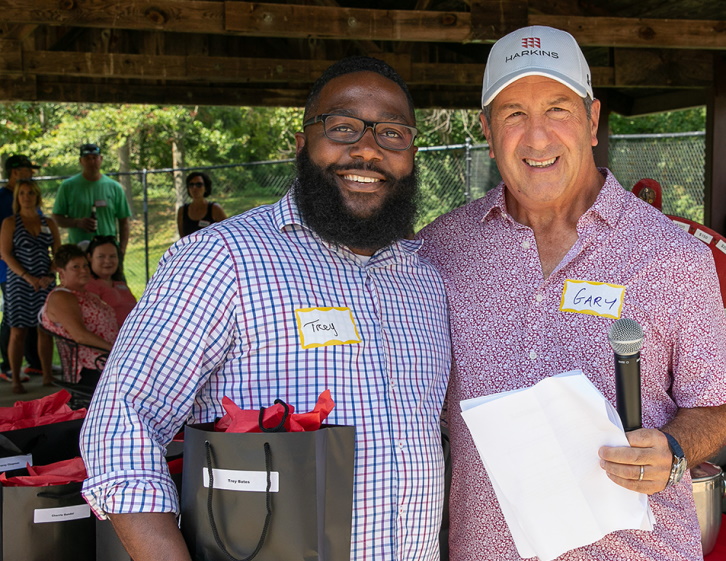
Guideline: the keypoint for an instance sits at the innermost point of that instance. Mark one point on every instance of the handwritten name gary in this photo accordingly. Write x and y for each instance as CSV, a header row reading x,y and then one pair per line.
x,y
583,297
596,298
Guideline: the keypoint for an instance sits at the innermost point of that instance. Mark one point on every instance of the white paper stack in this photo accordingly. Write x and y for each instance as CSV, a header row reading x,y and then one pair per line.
x,y
561,498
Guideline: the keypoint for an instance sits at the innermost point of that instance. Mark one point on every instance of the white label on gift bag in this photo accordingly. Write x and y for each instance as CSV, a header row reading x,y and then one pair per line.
x,y
61,513
15,462
237,480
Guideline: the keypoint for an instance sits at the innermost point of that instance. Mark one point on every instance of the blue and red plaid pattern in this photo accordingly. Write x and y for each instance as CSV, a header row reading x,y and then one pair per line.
x,y
218,319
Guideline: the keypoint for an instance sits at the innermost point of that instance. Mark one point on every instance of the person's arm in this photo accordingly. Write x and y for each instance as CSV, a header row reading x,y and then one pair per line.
x,y
49,277
6,238
123,441
62,307
55,232
88,224
700,431
151,536
180,221
123,234
218,213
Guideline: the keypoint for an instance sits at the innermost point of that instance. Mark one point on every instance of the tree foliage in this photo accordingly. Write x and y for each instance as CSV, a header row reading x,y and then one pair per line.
x,y
52,133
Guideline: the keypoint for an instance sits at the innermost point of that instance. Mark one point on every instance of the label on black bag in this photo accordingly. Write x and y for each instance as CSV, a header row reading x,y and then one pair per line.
x,y
61,514
236,480
15,462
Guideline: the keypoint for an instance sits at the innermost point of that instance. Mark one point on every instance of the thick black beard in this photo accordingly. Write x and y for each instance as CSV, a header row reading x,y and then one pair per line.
x,y
323,209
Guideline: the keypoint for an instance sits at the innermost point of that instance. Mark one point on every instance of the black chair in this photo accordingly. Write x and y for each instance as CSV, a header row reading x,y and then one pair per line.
x,y
81,391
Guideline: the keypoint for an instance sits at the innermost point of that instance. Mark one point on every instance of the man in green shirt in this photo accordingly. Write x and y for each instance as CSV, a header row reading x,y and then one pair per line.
x,y
80,194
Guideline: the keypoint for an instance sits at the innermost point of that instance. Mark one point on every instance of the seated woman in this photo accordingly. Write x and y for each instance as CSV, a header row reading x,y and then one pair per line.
x,y
107,281
72,312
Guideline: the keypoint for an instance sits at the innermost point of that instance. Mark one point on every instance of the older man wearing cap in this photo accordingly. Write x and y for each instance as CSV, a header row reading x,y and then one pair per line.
x,y
507,261
17,167
89,191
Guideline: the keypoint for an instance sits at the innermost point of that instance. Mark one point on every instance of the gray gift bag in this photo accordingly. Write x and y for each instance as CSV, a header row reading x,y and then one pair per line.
x,y
51,523
274,496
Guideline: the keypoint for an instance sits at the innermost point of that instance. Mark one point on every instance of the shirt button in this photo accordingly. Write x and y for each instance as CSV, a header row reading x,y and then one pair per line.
x,y
400,444
539,297
532,355
525,244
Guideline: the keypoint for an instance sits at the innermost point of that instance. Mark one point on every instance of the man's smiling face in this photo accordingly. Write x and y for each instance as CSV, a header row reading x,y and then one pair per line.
x,y
542,139
359,195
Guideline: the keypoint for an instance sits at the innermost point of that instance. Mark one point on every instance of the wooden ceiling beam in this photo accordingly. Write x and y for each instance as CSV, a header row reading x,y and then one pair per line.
x,y
325,22
231,69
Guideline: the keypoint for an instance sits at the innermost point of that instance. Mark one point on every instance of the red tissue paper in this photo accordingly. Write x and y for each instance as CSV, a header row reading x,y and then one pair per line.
x,y
59,473
36,412
248,420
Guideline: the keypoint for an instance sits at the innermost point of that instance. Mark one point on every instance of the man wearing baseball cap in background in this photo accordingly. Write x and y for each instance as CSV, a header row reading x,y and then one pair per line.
x,y
89,191
17,167
506,260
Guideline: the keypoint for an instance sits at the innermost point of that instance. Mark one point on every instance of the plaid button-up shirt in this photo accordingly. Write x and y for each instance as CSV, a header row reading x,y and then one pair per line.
x,y
220,318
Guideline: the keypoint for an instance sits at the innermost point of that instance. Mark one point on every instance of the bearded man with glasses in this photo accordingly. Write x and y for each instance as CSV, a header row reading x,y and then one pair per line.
x,y
226,303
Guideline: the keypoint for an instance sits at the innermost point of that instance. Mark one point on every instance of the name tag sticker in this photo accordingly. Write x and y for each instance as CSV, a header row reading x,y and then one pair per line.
x,y
204,223
721,245
321,327
45,230
61,514
593,298
238,480
100,203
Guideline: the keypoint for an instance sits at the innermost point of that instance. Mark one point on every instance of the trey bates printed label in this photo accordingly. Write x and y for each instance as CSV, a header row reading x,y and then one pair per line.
x,y
239,480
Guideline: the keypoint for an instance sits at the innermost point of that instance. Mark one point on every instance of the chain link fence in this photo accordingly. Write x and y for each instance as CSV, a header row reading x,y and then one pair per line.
x,y
449,177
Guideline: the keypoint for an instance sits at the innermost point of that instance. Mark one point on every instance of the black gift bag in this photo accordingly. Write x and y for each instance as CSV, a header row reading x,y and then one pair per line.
x,y
51,523
45,444
276,496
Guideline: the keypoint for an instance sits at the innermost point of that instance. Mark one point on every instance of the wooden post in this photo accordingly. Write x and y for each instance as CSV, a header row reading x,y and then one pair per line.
x,y
603,130
715,193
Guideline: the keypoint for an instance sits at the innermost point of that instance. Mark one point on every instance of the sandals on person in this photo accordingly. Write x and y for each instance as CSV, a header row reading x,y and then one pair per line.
x,y
8,377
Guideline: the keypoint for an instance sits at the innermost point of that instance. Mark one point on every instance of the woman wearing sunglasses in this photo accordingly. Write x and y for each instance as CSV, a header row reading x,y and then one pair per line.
x,y
200,213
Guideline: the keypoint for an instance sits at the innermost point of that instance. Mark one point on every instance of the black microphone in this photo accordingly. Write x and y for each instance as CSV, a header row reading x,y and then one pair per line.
x,y
626,339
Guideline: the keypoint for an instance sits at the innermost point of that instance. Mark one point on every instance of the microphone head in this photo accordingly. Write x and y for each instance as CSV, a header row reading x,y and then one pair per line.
x,y
626,337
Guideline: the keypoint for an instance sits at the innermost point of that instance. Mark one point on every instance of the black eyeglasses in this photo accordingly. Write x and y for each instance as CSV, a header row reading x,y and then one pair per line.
x,y
349,130
196,184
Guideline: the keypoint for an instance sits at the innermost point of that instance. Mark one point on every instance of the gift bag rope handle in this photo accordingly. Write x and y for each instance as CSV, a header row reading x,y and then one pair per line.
x,y
281,426
268,502
70,494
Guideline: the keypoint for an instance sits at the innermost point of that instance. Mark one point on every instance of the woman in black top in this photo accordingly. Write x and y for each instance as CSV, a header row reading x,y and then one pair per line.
x,y
200,213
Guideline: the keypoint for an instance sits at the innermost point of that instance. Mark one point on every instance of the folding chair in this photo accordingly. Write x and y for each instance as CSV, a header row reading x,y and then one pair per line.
x,y
81,391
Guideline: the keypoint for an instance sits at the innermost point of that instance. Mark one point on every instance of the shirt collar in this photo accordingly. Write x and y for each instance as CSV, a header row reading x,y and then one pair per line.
x,y
608,205
287,215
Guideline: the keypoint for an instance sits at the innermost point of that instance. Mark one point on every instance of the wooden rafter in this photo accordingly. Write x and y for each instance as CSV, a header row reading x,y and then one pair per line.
x,y
331,22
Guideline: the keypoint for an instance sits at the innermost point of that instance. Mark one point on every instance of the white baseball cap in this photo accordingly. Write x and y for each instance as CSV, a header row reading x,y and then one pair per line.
x,y
536,51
